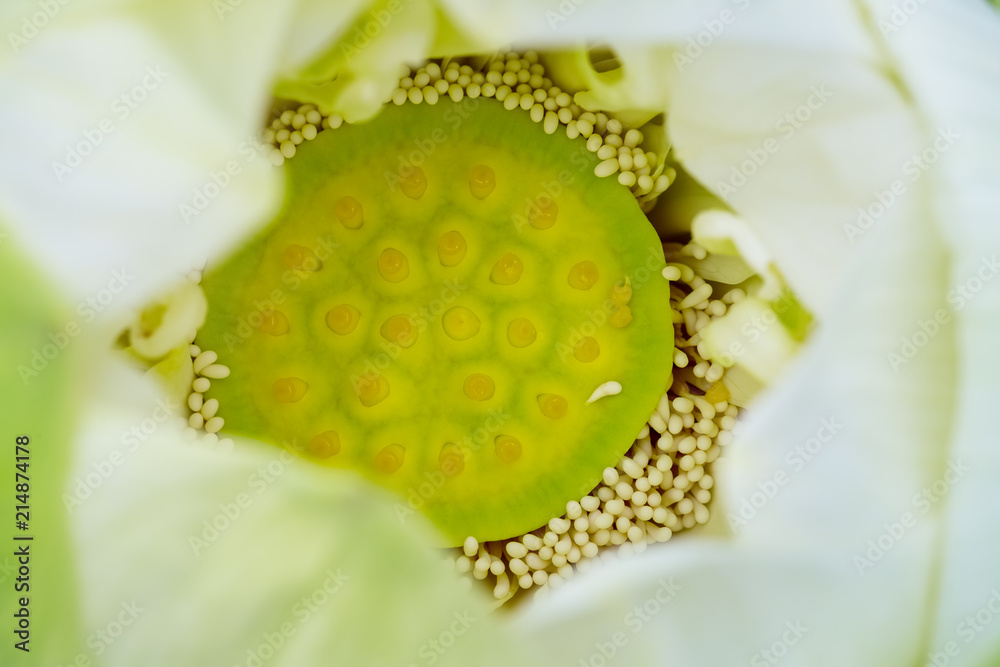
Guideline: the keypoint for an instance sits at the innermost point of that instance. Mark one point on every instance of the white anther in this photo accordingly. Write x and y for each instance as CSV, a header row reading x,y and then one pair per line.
x,y
611,388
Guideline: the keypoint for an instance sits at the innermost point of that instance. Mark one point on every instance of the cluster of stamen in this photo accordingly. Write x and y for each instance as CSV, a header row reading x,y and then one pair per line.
x,y
663,484
519,82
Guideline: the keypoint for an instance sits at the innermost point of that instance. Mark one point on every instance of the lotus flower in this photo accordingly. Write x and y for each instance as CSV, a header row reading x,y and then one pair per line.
x,y
854,140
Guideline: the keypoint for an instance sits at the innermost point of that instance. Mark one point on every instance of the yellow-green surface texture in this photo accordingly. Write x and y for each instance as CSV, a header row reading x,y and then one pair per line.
x,y
381,323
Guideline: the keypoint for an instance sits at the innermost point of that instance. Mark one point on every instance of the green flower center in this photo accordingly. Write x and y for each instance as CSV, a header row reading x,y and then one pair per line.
x,y
444,291
462,301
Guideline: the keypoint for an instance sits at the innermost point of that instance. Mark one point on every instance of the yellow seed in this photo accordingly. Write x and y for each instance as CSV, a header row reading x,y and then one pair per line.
x,y
583,275
393,265
274,323
343,319
401,330
587,349
371,389
451,248
325,444
621,293
552,406
507,270
508,448
390,458
348,210
544,213
479,387
521,332
717,393
289,390
460,323
482,181
451,460
301,259
621,317
414,182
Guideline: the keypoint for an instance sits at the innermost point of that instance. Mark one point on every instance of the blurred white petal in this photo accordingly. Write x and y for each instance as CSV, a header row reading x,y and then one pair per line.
x,y
218,557
949,56
824,489
136,155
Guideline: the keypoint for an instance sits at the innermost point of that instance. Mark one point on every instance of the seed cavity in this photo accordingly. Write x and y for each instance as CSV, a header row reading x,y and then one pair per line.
x,y
583,275
507,270
401,330
543,213
349,211
482,181
325,444
621,293
290,389
393,265
621,318
414,183
460,323
371,388
451,460
479,387
274,323
552,406
521,332
452,248
587,349
390,458
343,319
301,258
508,448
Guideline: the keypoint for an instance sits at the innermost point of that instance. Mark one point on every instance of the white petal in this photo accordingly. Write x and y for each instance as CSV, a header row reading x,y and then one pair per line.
x,y
948,56
829,470
827,466
699,603
136,160
211,558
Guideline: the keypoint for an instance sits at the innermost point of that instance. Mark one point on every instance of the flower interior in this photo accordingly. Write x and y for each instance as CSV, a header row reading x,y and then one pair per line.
x,y
459,303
